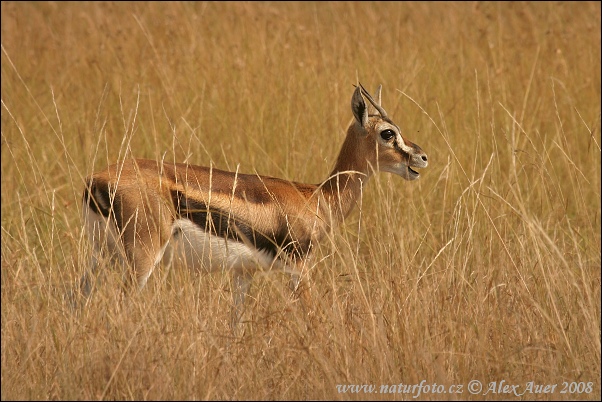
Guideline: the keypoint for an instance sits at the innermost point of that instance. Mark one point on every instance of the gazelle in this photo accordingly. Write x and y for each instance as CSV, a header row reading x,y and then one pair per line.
x,y
142,210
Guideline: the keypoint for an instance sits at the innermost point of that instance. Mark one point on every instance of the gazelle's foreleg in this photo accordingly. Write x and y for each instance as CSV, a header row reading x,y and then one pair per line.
x,y
300,286
241,284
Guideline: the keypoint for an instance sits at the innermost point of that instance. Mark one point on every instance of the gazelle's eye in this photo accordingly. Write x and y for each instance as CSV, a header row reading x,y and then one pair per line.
x,y
387,135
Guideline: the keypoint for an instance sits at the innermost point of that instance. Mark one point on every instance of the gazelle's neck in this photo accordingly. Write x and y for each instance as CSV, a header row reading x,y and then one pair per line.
x,y
343,187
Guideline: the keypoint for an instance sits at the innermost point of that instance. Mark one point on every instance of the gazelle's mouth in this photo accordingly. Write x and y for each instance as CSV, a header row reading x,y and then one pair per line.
x,y
413,175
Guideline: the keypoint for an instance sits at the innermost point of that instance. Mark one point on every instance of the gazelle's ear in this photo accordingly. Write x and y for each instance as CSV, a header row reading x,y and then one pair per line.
x,y
374,105
358,107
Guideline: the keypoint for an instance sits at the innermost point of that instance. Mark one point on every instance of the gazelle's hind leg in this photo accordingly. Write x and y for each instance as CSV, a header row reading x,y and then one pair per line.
x,y
136,233
145,238
103,236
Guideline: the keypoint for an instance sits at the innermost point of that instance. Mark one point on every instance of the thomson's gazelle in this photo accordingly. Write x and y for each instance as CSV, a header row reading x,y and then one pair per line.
x,y
141,210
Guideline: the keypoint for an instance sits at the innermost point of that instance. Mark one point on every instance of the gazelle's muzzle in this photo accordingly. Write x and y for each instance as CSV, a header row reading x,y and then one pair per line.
x,y
417,159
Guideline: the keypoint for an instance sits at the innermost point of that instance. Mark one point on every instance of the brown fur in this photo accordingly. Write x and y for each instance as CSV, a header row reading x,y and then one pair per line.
x,y
143,198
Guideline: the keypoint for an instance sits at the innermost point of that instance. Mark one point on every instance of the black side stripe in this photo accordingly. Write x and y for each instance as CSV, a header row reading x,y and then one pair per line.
x,y
222,224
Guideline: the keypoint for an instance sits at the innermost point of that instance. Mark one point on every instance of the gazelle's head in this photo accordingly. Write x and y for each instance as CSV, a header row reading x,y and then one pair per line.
x,y
384,146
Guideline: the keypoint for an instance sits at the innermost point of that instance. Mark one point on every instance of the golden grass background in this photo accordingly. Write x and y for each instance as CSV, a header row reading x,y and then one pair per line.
x,y
487,268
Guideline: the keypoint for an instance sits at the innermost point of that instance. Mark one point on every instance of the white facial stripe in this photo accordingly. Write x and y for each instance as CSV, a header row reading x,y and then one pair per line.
x,y
398,138
402,144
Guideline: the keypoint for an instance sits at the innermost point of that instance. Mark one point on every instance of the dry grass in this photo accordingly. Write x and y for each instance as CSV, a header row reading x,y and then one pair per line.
x,y
488,268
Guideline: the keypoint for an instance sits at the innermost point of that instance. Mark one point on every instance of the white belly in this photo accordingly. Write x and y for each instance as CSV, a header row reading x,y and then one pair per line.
x,y
199,250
